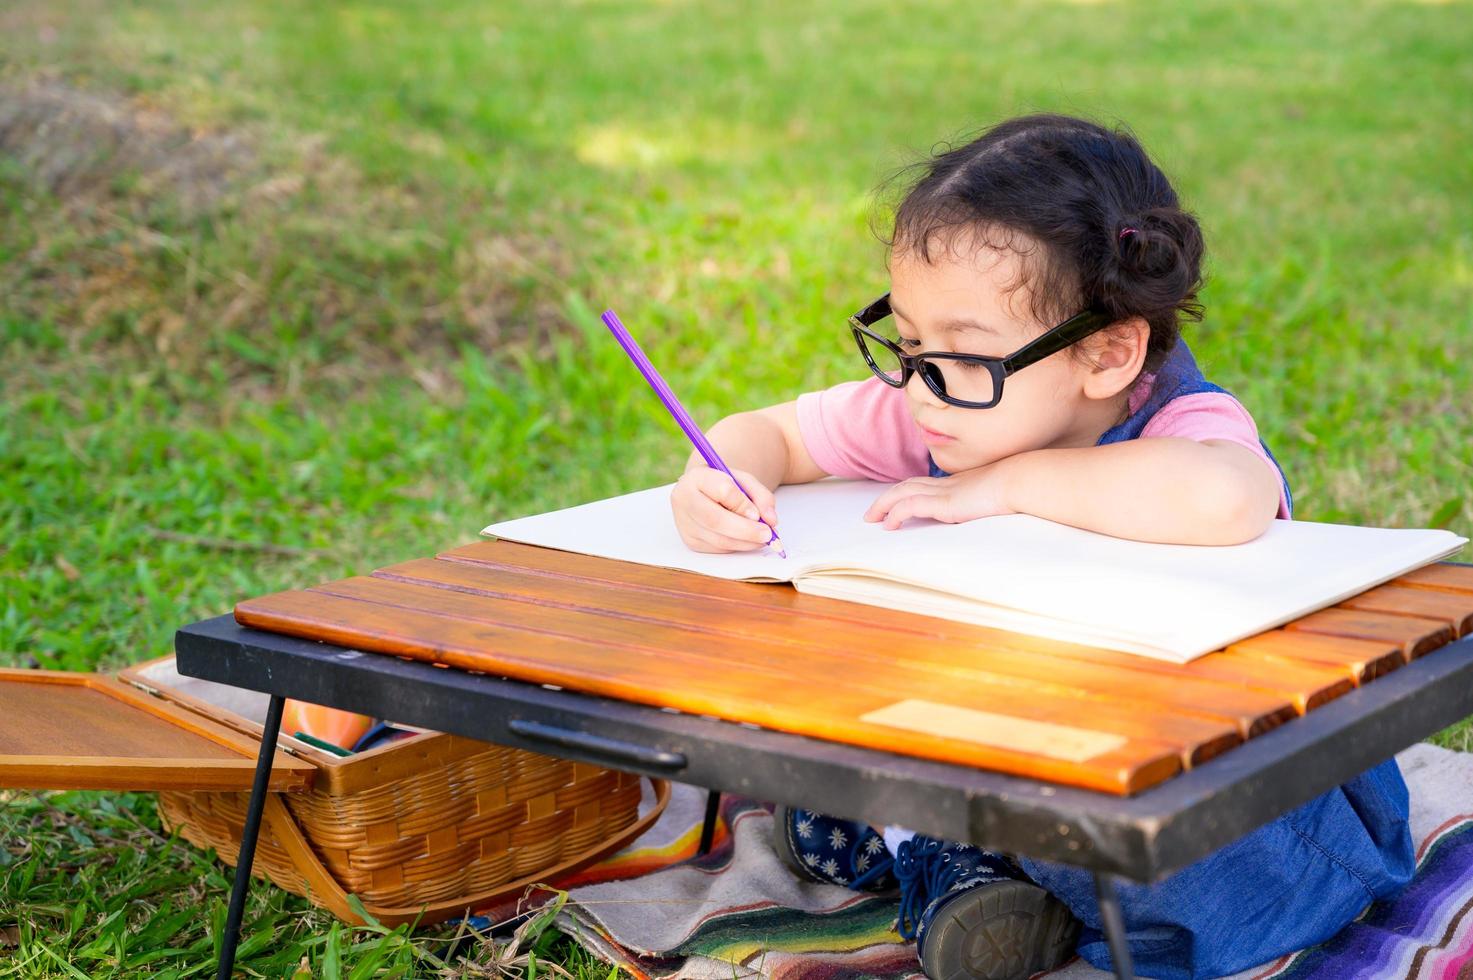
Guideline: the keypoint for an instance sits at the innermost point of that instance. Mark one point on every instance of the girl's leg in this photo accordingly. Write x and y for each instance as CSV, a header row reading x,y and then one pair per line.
x,y
1290,884
831,849
973,913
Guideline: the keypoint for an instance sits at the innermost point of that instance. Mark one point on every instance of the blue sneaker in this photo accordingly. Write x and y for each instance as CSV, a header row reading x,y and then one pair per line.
x,y
976,916
831,850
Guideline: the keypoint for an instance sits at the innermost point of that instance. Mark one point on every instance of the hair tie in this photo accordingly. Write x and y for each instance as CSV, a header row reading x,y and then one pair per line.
x,y
1126,231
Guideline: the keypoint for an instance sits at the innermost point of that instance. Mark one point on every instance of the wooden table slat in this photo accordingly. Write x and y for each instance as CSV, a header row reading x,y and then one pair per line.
x,y
1453,608
1439,576
1306,684
1362,660
1414,634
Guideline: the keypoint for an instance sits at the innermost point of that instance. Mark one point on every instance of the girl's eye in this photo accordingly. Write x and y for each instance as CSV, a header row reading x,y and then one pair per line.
x,y
971,366
908,344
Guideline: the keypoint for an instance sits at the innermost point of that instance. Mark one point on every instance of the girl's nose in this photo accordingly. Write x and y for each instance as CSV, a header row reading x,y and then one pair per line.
x,y
919,391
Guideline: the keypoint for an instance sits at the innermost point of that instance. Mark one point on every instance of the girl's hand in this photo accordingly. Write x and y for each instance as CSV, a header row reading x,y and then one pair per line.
x,y
712,515
952,499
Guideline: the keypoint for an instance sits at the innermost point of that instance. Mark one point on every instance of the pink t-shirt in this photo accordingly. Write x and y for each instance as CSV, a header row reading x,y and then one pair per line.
x,y
864,430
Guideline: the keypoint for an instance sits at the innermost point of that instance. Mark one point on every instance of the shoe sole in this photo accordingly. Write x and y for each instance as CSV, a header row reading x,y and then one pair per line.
x,y
1005,931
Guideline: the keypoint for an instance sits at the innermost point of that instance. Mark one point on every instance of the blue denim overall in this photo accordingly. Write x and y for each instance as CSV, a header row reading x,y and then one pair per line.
x,y
1290,884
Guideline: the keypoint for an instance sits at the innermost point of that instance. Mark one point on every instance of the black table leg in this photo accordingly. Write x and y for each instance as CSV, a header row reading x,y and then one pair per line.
x,y
1114,925
708,829
252,829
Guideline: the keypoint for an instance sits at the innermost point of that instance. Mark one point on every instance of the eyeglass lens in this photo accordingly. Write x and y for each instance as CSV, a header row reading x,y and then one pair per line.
x,y
958,379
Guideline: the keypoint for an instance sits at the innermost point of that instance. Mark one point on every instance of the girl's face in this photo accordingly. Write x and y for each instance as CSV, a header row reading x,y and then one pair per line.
x,y
960,304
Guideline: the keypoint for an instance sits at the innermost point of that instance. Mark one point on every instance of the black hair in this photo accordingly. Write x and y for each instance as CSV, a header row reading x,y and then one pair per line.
x,y
1069,187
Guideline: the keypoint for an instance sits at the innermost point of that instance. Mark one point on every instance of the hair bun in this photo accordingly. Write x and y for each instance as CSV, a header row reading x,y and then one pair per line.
x,y
1163,243
1157,257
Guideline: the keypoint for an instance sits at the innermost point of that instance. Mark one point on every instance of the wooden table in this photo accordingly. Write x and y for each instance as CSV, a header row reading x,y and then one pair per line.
x,y
1119,764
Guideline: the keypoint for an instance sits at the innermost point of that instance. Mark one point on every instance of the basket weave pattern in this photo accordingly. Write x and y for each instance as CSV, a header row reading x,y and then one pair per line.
x,y
453,828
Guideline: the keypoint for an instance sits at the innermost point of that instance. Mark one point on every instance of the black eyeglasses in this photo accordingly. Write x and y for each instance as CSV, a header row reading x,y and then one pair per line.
x,y
964,380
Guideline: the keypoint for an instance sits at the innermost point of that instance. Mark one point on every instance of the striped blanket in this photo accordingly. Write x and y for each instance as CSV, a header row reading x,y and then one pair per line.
x,y
658,912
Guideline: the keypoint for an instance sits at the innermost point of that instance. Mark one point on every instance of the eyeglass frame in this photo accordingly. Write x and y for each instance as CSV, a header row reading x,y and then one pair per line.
x,y
1051,341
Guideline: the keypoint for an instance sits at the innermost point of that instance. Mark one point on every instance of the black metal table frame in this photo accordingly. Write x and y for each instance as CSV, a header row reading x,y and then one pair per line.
x,y
1143,837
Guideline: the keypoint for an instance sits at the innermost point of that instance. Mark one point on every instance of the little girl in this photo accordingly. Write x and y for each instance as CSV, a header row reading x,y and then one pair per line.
x,y
1027,360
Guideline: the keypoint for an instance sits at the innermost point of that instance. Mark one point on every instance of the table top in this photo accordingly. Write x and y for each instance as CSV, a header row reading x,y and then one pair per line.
x,y
1143,837
874,677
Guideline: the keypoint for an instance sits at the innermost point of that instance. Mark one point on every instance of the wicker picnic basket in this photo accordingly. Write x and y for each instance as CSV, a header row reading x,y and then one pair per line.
x,y
423,828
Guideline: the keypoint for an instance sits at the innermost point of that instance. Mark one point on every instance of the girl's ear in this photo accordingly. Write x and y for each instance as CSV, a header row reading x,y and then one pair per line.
x,y
1116,355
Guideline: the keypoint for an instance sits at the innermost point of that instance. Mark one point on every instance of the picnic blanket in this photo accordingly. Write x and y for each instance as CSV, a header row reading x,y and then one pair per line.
x,y
658,911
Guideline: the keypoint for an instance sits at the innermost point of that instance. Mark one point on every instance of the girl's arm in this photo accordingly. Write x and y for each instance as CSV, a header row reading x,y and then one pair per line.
x,y
766,443
1166,489
763,449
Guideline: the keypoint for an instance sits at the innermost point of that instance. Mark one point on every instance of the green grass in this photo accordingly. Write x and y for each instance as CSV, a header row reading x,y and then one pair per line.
x,y
92,888
378,333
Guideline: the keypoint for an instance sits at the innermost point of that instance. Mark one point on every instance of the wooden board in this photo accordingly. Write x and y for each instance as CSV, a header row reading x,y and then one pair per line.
x,y
1361,659
770,656
70,730
1448,607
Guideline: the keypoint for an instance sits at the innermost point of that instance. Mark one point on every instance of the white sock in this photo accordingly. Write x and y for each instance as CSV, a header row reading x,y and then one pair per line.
x,y
894,835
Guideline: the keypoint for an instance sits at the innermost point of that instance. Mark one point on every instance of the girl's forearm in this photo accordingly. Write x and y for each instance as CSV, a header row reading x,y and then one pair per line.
x,y
748,441
1161,489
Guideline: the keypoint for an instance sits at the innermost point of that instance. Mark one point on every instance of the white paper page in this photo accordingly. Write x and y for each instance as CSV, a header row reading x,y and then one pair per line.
x,y
1173,601
815,520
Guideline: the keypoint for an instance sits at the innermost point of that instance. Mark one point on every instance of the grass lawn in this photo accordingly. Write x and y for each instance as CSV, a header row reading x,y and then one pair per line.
x,y
329,302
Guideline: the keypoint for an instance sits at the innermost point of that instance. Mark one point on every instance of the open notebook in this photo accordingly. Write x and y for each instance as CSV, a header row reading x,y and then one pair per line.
x,y
1017,572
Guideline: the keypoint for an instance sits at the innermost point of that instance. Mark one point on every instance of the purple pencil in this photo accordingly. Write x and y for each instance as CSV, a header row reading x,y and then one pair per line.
x,y
682,417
